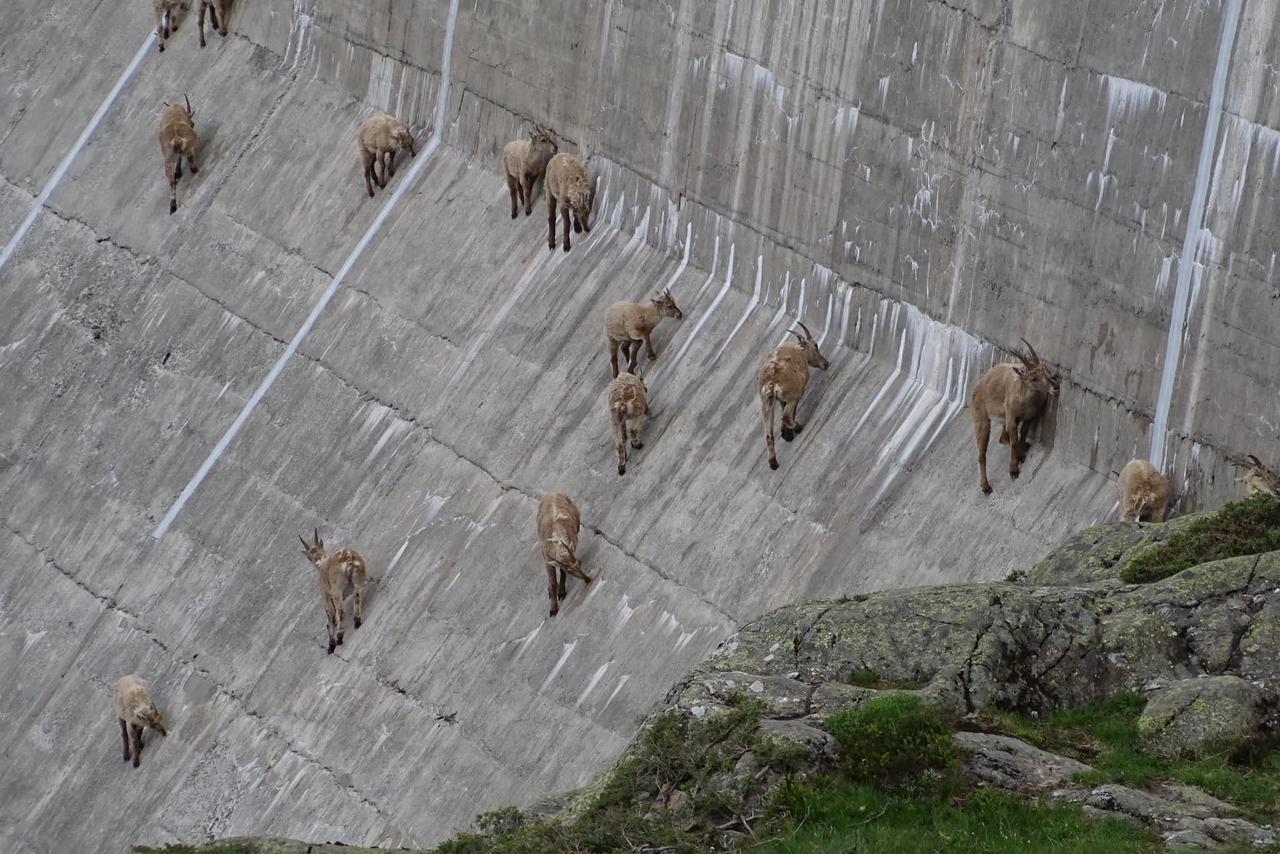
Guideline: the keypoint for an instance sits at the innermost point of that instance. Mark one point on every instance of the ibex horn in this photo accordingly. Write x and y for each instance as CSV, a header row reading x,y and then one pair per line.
x,y
188,100
316,531
799,337
1257,462
304,542
1034,355
806,329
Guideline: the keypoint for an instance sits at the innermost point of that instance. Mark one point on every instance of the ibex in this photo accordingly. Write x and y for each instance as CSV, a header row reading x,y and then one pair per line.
x,y
135,710
1016,394
334,570
379,138
628,405
166,18
558,524
1144,492
177,140
217,17
626,324
566,183
525,161
782,379
1258,478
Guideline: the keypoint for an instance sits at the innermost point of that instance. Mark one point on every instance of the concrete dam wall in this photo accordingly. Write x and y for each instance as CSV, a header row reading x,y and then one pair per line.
x,y
920,182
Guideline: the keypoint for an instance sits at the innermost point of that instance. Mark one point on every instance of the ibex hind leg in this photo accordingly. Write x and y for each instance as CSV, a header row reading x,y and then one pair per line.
x,y
124,735
552,589
982,433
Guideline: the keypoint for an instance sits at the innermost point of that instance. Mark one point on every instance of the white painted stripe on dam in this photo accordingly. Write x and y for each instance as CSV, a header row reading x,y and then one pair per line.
x,y
58,173
442,101
1190,240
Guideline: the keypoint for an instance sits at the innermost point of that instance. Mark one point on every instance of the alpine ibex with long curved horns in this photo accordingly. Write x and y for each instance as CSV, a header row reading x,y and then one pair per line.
x,y
177,140
334,570
782,379
626,324
1016,394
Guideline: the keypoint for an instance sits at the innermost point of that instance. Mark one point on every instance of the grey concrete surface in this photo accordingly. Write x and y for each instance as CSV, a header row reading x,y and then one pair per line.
x,y
919,181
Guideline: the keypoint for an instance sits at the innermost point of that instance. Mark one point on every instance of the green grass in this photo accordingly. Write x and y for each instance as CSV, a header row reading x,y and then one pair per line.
x,y
891,740
841,816
1105,735
1247,527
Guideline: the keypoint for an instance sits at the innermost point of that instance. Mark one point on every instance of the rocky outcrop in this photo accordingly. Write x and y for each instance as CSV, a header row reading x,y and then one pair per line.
x,y
1010,646
1101,552
1191,717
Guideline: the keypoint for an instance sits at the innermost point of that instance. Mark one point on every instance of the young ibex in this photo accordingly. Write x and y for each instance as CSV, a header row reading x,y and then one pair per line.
x,y
334,570
628,405
626,324
177,140
525,161
135,710
166,18
1144,492
782,379
1258,478
1016,394
566,183
217,17
558,524
379,138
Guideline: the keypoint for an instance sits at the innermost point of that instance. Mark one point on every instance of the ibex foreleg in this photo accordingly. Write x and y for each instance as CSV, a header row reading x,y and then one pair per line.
x,y
566,216
124,735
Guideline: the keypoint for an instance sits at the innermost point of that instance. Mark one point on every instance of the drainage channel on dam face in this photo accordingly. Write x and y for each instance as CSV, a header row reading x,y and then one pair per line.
x,y
442,102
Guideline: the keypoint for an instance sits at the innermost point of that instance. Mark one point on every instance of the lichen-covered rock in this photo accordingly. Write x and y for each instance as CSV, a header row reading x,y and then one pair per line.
x,y
1101,552
1193,716
1185,816
256,845
1013,764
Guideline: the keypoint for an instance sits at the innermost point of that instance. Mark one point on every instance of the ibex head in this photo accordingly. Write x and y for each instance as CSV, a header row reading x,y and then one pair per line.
x,y
543,138
1035,372
810,347
313,551
152,717
667,305
405,138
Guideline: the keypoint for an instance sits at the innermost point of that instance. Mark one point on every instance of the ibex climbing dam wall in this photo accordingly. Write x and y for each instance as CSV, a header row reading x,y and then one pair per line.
x,y
920,182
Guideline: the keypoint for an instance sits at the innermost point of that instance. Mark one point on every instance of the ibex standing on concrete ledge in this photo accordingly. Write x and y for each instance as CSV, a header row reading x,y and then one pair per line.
x,y
1016,394
628,404
565,184
782,379
335,569
135,710
177,140
1144,492
626,324
558,525
378,139
525,161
